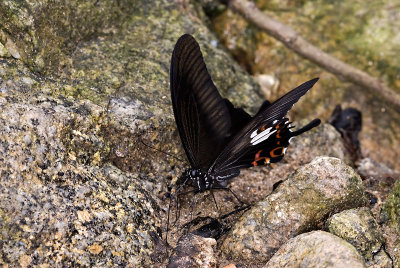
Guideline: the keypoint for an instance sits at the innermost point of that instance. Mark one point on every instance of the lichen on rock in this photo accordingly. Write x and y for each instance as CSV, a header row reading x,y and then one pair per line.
x,y
359,228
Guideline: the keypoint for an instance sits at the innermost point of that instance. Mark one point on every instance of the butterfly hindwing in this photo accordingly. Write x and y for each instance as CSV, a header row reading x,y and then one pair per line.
x,y
201,114
265,136
268,146
239,118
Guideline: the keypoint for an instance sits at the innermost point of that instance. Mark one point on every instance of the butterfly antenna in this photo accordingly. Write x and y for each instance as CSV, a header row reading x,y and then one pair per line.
x,y
177,211
154,148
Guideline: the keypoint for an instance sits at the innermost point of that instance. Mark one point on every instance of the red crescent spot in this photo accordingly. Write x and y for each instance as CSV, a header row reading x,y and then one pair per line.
x,y
257,156
272,152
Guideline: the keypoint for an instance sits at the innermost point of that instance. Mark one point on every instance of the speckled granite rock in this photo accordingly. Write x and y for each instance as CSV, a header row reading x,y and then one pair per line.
x,y
390,216
56,206
299,204
194,251
359,228
316,249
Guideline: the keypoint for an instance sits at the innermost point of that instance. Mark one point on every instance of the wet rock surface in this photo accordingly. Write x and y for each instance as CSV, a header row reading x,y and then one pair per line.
x,y
316,249
75,182
298,205
79,186
359,228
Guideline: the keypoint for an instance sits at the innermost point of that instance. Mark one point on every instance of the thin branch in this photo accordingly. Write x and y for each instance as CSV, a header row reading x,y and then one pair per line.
x,y
294,41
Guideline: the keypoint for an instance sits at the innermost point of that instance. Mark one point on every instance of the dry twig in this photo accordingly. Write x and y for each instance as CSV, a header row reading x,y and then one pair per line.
x,y
301,46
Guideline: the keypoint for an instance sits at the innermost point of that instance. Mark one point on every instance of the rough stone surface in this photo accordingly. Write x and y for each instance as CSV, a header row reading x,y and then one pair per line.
x,y
194,251
316,249
299,204
56,205
359,228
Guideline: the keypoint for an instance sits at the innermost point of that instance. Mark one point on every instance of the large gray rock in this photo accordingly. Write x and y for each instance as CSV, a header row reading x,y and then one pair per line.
x,y
57,210
299,204
316,249
359,228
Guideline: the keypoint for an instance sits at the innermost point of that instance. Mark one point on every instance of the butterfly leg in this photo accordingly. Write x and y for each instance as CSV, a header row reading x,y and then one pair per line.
x,y
191,207
229,190
178,211
215,201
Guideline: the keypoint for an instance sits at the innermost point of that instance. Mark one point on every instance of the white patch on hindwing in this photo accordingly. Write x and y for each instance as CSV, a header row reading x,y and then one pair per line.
x,y
254,133
258,137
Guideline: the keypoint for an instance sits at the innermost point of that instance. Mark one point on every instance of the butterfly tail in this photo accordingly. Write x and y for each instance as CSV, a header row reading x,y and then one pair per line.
x,y
307,127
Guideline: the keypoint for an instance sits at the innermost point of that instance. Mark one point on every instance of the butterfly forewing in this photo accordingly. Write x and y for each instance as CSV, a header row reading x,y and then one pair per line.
x,y
201,114
265,137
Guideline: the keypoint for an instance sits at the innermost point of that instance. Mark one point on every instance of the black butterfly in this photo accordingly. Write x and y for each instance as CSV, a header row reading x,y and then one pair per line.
x,y
218,138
